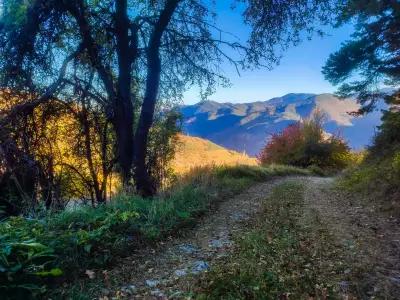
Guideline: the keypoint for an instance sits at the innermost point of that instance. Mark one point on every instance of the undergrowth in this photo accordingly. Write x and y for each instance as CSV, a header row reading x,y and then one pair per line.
x,y
36,253
376,180
283,256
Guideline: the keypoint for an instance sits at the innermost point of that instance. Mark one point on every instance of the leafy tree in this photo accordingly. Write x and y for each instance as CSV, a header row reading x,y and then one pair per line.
x,y
387,141
162,147
129,54
372,57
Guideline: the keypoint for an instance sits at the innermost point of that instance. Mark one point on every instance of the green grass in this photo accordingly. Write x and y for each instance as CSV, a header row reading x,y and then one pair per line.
x,y
260,173
284,255
72,241
376,180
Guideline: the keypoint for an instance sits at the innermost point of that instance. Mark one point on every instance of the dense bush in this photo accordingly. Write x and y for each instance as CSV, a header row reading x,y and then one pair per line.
x,y
33,251
24,262
305,144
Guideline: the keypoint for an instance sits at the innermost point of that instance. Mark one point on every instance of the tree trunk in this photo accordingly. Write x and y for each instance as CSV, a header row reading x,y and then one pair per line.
x,y
88,147
144,183
120,100
123,125
47,183
123,108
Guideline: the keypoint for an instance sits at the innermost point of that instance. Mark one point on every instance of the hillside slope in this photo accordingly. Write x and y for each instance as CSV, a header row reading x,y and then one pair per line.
x,y
195,152
246,126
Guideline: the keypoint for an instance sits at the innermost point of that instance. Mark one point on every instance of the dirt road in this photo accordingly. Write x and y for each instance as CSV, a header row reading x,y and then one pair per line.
x,y
370,240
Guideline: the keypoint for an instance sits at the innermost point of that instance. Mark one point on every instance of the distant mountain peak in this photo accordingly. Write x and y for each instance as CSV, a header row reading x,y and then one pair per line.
x,y
246,126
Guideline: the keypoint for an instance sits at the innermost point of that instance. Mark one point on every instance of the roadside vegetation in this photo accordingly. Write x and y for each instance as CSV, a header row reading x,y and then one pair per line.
x,y
38,251
377,177
371,56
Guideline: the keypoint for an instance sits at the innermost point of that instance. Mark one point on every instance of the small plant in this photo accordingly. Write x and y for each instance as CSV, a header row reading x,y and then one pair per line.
x,y
25,264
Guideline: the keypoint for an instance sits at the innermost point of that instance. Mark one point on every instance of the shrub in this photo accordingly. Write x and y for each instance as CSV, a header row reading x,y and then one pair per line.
x,y
305,144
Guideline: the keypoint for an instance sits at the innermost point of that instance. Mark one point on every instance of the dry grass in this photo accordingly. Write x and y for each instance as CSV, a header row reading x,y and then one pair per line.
x,y
194,152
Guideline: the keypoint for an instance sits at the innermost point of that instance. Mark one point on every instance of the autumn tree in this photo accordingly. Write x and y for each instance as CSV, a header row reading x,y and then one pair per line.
x,y
59,151
139,52
306,144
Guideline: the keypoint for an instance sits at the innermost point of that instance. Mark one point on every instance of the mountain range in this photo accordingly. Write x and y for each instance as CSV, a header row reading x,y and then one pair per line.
x,y
246,127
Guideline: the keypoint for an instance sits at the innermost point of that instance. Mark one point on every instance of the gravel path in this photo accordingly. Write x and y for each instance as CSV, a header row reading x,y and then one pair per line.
x,y
371,240
160,273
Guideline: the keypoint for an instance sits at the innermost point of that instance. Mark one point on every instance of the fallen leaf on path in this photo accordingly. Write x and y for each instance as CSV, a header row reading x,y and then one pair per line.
x,y
90,274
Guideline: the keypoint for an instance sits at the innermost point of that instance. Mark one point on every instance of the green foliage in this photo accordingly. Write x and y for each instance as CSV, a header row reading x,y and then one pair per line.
x,y
376,179
24,262
34,250
370,58
14,12
260,173
278,257
304,144
162,146
387,140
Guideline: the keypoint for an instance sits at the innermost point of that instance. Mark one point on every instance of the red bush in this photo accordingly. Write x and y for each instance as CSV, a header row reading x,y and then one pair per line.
x,y
282,147
305,144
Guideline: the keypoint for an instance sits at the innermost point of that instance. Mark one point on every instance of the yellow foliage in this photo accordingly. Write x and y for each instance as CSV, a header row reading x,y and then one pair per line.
x,y
57,141
194,152
59,145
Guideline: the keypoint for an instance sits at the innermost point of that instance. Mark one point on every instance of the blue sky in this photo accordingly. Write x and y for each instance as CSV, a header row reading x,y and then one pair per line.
x,y
299,70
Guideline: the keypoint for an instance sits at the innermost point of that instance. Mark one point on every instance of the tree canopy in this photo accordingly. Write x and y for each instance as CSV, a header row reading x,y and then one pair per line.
x,y
371,59
125,56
